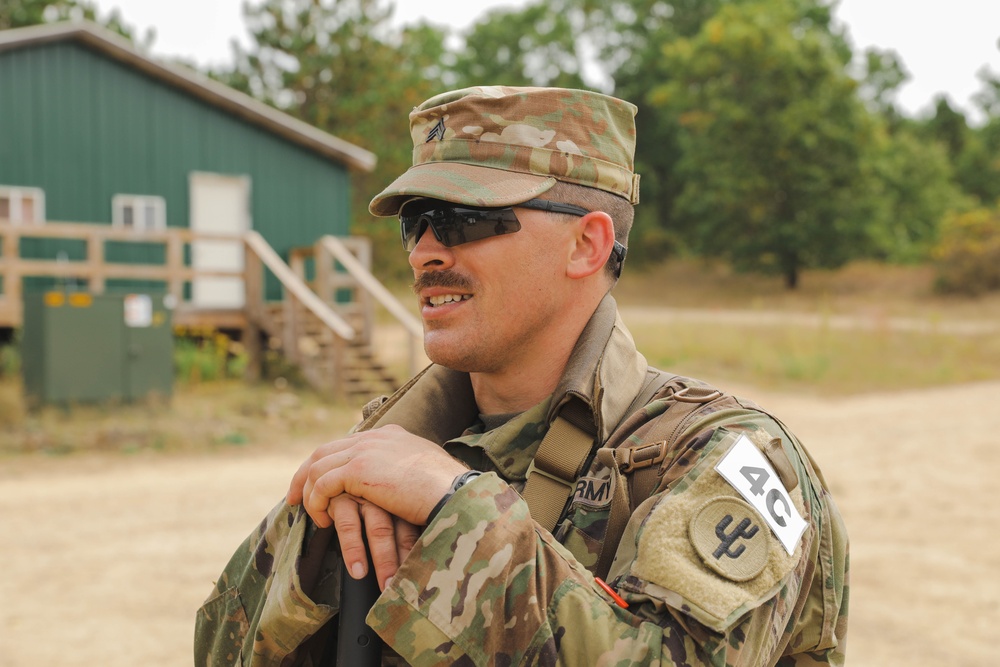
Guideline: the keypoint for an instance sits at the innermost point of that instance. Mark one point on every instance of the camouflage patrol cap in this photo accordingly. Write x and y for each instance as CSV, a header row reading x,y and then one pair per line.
x,y
499,146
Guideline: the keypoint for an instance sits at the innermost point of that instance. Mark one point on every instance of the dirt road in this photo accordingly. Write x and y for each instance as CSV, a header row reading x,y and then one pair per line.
x,y
106,559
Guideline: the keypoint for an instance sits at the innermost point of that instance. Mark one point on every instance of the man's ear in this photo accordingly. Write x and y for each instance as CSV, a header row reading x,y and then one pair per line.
x,y
594,240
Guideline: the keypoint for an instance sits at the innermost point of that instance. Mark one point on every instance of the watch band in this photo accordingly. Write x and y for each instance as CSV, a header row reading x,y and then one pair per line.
x,y
457,484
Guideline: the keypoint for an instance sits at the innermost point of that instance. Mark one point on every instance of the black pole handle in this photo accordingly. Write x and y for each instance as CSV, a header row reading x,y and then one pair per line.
x,y
357,644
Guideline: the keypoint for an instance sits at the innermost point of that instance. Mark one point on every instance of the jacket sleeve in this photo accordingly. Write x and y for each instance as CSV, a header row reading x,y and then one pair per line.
x,y
486,585
278,589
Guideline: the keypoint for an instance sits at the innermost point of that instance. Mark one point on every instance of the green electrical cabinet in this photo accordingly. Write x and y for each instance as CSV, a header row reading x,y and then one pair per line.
x,y
85,348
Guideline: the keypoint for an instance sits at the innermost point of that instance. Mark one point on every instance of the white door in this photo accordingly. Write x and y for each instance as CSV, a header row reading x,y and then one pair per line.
x,y
220,204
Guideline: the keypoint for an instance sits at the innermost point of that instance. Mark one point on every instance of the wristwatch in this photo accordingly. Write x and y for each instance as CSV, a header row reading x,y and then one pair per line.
x,y
457,484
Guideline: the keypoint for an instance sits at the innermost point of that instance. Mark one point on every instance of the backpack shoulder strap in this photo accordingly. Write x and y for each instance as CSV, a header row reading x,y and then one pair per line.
x,y
636,469
557,464
565,451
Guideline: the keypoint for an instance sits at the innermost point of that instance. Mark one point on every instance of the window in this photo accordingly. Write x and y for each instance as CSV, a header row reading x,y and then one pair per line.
x,y
142,213
22,206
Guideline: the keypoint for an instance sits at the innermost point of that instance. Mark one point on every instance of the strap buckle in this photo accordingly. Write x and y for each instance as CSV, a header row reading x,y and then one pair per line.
x,y
695,395
640,456
554,476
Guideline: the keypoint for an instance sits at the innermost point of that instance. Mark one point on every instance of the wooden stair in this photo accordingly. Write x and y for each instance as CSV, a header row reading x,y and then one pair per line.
x,y
351,368
324,326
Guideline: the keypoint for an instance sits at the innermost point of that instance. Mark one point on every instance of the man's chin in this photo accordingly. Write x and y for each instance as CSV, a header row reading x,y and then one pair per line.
x,y
448,352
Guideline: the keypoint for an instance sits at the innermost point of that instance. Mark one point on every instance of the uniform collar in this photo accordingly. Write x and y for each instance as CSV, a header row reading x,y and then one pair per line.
x,y
604,374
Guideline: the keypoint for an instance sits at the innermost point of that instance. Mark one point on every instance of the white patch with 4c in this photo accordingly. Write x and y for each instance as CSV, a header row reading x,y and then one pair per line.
x,y
751,474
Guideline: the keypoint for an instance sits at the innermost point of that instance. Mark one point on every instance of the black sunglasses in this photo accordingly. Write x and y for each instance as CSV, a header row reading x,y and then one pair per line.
x,y
454,225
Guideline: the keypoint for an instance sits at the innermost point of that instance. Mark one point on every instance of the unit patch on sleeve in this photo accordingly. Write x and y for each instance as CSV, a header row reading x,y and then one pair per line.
x,y
730,537
707,551
749,472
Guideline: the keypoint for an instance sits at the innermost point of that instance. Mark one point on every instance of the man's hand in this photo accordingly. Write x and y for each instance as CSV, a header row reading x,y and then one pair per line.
x,y
387,469
390,539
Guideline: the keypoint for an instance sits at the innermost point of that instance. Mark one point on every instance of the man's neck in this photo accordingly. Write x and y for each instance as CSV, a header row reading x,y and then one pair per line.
x,y
519,388
534,375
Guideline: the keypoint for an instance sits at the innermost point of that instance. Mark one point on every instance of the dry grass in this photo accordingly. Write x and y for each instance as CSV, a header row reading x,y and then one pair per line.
x,y
862,288
819,360
765,347
751,330
199,418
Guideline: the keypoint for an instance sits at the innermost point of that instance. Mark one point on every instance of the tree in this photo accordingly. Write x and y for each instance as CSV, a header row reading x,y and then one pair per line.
x,y
978,166
988,99
536,45
947,126
626,39
968,256
918,190
775,172
21,13
884,73
341,66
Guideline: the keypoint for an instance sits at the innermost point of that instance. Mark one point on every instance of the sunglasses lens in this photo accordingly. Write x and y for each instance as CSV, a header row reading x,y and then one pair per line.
x,y
454,225
411,227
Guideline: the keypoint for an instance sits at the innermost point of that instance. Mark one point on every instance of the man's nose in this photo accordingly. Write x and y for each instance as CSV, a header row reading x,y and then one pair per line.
x,y
429,252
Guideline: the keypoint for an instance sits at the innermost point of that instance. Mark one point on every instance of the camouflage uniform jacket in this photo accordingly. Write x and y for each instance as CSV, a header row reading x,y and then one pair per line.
x,y
749,569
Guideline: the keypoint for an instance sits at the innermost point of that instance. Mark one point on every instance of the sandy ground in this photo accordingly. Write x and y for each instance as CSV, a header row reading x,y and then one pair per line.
x,y
105,559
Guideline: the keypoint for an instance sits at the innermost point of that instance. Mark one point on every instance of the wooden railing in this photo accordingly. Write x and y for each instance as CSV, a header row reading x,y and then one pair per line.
x,y
330,249
294,289
95,270
326,320
311,335
328,338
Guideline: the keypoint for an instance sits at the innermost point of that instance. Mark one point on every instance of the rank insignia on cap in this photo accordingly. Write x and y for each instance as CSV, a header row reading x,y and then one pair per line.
x,y
436,132
730,537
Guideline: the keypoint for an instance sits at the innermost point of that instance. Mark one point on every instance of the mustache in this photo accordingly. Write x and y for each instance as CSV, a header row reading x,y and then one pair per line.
x,y
446,278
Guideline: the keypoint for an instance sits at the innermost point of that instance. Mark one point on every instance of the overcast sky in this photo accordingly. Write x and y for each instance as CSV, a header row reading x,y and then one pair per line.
x,y
942,43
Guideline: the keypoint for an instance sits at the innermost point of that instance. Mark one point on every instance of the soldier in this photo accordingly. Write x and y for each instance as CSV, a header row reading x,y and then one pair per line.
x,y
539,457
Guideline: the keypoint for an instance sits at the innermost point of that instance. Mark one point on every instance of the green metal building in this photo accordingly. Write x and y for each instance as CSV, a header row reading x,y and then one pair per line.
x,y
92,130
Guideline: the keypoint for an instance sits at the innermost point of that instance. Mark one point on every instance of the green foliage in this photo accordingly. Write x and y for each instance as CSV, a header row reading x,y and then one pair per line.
x,y
533,46
21,13
208,357
947,126
974,151
884,74
775,169
918,190
755,144
629,37
341,66
10,360
968,255
977,169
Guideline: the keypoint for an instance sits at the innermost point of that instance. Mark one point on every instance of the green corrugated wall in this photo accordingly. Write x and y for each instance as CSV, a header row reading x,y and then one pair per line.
x,y
84,127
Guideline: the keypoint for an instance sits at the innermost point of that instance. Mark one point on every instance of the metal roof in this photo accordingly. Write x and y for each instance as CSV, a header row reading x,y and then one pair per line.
x,y
193,83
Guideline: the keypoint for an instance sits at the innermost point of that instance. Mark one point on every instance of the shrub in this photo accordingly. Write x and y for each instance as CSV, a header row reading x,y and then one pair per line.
x,y
205,356
967,257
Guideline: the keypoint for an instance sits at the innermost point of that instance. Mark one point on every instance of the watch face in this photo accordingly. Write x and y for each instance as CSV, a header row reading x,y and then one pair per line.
x,y
465,478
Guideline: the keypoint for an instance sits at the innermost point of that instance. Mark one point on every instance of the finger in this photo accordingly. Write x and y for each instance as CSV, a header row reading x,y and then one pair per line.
x,y
406,538
381,532
325,481
346,516
299,486
296,486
